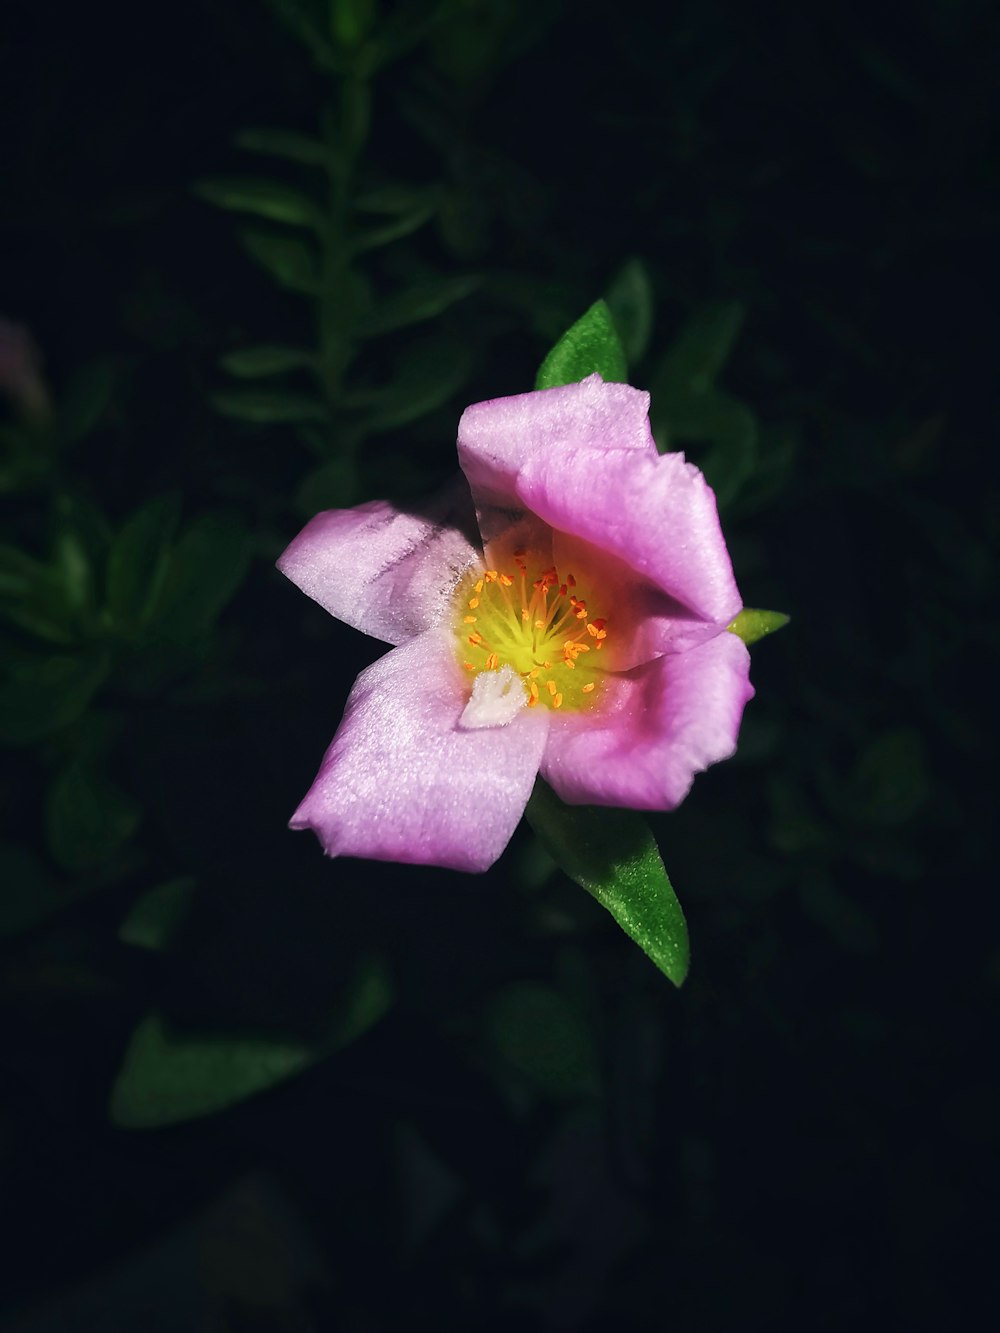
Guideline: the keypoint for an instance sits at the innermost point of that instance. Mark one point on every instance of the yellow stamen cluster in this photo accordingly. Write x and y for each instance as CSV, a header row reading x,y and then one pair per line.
x,y
541,627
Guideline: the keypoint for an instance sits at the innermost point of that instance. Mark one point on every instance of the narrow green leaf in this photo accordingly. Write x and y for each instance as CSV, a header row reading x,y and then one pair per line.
x,y
251,362
207,566
18,572
432,371
699,351
401,226
267,408
282,143
613,855
718,420
630,300
590,346
265,198
169,1076
288,259
156,915
751,624
87,818
137,564
422,301
351,21
41,695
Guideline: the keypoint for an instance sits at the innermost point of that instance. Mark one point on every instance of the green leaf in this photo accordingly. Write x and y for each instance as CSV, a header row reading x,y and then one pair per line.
x,y
41,695
701,349
351,21
207,566
282,143
401,226
613,855
156,915
433,370
422,301
137,564
87,818
250,362
590,346
18,572
332,485
268,407
538,1033
288,259
751,624
630,300
267,199
170,1076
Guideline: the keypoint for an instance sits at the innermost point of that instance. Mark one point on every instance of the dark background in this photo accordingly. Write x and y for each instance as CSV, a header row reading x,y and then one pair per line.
x,y
509,1119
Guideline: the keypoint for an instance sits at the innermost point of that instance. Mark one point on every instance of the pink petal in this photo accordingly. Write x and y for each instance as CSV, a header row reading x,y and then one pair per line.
x,y
496,438
656,512
401,781
664,722
385,571
643,621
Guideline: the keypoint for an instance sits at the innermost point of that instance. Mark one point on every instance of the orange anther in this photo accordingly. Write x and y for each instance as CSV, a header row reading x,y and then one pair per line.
x,y
468,620
533,688
475,639
532,701
550,685
587,688
506,580
539,624
473,603
557,701
479,585
469,666
492,662
525,615
491,576
533,673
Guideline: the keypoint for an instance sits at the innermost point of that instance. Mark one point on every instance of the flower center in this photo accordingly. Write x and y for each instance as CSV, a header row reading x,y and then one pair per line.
x,y
528,622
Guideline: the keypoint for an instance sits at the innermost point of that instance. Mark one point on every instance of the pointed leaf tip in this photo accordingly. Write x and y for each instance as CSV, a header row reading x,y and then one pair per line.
x,y
752,624
590,346
613,855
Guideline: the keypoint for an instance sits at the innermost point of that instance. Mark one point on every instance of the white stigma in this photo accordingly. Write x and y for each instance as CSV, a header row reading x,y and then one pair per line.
x,y
497,698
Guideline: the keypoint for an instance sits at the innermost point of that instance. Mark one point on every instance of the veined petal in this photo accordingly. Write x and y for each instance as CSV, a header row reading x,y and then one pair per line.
x,y
388,572
496,438
402,781
661,724
656,512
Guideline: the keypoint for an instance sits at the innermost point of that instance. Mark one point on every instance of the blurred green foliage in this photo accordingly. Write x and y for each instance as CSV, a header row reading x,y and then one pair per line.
x,y
496,1101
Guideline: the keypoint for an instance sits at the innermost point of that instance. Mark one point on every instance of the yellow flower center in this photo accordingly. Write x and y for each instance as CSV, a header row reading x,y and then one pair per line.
x,y
536,624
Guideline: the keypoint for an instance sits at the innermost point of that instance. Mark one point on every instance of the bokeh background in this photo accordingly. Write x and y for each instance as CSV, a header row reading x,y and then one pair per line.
x,y
243,1088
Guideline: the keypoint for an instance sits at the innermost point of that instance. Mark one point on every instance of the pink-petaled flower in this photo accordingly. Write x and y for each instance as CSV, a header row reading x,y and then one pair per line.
x,y
573,626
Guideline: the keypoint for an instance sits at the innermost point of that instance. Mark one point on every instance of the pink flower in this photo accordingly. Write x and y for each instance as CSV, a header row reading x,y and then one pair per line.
x,y
580,633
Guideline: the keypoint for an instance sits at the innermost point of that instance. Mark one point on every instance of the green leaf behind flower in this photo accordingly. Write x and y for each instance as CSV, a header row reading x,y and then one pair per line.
x,y
589,346
613,855
752,624
171,1075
